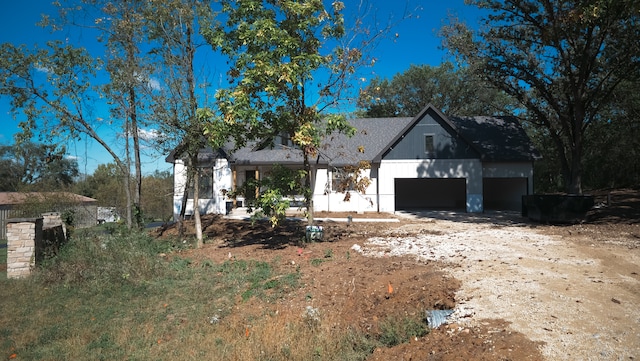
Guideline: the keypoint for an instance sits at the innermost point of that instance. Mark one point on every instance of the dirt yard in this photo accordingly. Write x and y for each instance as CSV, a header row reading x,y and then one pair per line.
x,y
519,290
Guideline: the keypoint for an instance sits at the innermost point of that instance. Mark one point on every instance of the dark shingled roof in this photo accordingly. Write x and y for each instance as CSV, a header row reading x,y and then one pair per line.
x,y
495,139
372,136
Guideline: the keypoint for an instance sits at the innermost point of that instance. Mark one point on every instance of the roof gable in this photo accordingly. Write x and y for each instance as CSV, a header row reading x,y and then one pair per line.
x,y
409,143
487,138
499,139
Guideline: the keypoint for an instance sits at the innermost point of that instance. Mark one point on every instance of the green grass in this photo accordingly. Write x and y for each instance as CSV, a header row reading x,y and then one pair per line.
x,y
110,295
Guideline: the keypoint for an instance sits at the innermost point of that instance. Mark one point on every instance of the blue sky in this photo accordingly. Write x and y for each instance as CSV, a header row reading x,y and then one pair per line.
x,y
416,43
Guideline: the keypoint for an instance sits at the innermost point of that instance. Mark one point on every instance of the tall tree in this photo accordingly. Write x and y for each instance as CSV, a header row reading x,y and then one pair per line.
x,y
28,166
613,142
561,59
124,30
173,28
454,91
55,89
59,88
289,62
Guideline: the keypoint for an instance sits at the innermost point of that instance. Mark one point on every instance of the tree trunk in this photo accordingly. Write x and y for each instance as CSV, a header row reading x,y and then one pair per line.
x,y
126,171
577,132
574,182
196,208
309,184
183,204
137,161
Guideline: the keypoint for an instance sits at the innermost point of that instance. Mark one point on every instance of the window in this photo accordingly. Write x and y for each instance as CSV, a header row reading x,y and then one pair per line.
x,y
205,184
429,147
342,180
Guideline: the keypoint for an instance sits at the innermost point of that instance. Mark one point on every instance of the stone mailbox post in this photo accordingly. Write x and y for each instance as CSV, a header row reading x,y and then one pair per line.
x,y
24,236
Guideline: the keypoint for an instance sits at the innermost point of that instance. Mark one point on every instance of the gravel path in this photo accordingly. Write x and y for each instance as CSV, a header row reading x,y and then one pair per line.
x,y
581,300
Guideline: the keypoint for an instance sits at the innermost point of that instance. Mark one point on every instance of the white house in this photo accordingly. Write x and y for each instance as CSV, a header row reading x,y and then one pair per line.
x,y
430,161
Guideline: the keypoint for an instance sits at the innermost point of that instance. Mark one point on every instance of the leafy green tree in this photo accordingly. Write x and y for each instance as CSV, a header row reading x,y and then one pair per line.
x,y
181,113
56,88
454,91
105,185
289,62
31,166
157,196
123,26
562,60
612,144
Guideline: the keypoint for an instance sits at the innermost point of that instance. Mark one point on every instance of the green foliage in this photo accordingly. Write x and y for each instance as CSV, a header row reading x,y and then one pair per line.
x,y
117,259
277,189
561,60
276,51
105,185
28,166
34,205
394,331
612,144
454,91
157,196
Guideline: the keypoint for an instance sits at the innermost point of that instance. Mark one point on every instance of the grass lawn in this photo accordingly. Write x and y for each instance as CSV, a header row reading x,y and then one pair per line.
x,y
126,296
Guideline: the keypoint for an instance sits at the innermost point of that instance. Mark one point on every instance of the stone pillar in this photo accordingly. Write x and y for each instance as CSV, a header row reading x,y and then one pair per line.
x,y
23,234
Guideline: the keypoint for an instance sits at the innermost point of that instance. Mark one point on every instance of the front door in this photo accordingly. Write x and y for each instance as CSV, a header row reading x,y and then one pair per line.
x,y
250,175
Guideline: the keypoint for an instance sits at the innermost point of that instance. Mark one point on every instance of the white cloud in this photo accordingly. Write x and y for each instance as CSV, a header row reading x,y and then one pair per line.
x,y
43,69
153,84
149,134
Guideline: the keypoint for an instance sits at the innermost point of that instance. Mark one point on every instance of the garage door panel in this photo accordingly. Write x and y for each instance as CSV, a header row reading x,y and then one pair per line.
x,y
430,193
504,193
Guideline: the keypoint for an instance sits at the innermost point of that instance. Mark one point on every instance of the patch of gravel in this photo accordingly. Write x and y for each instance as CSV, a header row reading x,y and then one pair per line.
x,y
545,287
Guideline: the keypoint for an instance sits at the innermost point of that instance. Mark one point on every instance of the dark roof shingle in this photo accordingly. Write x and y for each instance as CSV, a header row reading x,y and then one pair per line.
x,y
495,138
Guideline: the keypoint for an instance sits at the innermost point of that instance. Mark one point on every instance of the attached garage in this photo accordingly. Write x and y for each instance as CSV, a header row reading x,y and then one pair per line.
x,y
430,193
504,193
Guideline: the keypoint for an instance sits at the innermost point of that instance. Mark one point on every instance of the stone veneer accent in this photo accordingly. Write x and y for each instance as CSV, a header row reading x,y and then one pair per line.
x,y
22,236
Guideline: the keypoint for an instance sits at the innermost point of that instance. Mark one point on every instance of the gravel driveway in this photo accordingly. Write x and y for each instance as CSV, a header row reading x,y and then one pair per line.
x,y
575,288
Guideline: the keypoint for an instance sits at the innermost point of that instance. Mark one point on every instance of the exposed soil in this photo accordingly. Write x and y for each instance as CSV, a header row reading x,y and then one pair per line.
x,y
520,290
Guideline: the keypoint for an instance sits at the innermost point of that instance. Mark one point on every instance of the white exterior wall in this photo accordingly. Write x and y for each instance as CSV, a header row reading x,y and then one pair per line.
x,y
510,170
470,169
222,180
334,202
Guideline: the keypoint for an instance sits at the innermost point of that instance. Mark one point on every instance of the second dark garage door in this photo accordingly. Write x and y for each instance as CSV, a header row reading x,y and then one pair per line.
x,y
430,193
504,193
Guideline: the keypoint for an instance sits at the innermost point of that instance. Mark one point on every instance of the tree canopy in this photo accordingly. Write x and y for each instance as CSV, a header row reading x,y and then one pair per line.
x,y
562,60
29,166
454,91
287,65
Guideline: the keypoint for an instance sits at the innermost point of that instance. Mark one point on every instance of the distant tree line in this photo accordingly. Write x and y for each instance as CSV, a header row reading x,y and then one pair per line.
x,y
35,167
570,70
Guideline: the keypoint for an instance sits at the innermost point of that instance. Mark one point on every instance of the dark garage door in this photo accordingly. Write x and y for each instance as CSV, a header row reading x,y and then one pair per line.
x,y
431,193
504,194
